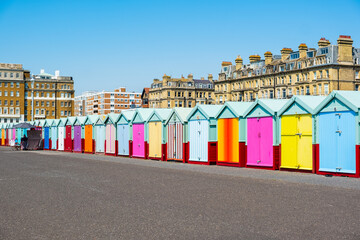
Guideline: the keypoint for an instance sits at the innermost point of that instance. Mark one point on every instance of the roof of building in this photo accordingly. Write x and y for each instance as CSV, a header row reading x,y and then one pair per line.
x,y
349,98
181,113
273,106
309,103
161,113
144,113
237,108
209,111
113,117
127,114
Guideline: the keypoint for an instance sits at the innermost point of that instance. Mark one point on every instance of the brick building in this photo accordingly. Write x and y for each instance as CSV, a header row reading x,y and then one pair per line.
x,y
106,102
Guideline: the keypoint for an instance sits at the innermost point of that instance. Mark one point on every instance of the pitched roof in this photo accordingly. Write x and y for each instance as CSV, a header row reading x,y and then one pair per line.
x,y
238,108
273,106
349,98
181,113
113,117
144,113
210,111
308,102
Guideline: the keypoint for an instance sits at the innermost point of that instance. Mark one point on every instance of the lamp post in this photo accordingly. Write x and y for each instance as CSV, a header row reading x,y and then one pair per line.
x,y
32,97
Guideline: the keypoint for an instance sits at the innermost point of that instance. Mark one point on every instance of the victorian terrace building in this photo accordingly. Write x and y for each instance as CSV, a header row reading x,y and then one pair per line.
x,y
181,92
308,71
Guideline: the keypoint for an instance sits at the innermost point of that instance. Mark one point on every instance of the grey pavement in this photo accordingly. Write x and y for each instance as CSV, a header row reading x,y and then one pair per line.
x,y
55,195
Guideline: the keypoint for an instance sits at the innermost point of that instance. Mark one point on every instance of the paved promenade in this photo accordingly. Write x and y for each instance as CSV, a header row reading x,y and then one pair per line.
x,y
53,195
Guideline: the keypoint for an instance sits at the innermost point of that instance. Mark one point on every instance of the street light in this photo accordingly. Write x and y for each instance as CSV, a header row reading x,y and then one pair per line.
x,y
32,97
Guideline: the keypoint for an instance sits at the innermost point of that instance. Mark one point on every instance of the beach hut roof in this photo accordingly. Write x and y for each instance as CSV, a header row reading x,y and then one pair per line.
x,y
70,121
91,119
113,117
181,113
209,111
238,109
48,122
127,114
350,98
42,122
81,120
101,119
55,122
160,114
273,106
309,103
143,114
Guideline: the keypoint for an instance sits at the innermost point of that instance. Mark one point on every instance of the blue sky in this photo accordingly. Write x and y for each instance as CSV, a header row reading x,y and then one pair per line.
x,y
108,44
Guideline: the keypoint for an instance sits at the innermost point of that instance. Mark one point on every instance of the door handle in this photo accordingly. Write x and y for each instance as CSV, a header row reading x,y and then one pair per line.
x,y
299,134
258,161
338,131
337,114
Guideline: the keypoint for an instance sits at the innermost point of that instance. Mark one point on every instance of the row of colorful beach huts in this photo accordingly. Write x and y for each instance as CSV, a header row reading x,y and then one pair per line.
x,y
305,133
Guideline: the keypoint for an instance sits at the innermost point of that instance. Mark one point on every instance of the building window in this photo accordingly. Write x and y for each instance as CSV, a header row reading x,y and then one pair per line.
x,y
315,90
314,75
357,74
17,85
284,93
297,91
17,103
307,90
302,91
17,93
297,78
326,88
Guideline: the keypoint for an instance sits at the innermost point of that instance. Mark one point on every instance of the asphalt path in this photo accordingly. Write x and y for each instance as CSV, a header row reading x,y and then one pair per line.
x,y
54,195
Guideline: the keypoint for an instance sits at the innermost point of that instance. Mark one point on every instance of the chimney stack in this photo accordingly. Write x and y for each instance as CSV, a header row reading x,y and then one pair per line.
x,y
57,73
239,62
323,42
345,49
254,58
210,77
285,52
190,76
268,57
302,50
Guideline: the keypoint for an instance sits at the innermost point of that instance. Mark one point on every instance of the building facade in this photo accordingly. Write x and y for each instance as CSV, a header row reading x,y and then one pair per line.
x,y
145,98
308,71
12,79
106,102
181,92
49,96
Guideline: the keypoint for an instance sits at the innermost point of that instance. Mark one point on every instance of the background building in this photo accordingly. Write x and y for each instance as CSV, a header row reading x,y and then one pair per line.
x,y
145,98
308,71
181,92
12,78
106,102
53,96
